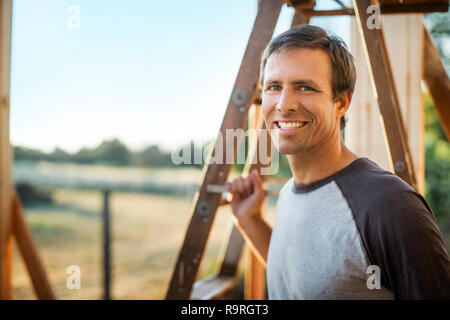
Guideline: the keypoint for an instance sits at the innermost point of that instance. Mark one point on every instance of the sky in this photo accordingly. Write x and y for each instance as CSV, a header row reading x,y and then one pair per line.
x,y
142,71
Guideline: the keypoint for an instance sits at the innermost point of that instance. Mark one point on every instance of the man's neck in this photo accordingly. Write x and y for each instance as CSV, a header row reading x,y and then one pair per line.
x,y
321,162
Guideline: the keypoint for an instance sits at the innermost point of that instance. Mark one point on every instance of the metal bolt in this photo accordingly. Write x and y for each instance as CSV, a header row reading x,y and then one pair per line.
x,y
203,208
239,97
399,166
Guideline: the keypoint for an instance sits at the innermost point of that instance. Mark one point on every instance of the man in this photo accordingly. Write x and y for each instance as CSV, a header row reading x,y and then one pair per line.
x,y
342,222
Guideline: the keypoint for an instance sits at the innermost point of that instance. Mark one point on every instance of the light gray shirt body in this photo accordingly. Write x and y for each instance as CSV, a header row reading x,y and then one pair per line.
x,y
318,251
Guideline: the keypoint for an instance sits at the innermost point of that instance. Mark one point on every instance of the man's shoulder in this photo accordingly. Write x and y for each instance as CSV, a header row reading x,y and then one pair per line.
x,y
369,187
398,232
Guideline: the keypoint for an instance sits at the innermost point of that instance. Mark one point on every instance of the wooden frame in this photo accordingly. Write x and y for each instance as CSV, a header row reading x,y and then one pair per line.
x,y
12,220
385,8
437,81
365,134
29,252
384,89
5,152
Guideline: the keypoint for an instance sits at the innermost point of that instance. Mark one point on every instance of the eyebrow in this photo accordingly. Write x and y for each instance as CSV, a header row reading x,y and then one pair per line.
x,y
307,82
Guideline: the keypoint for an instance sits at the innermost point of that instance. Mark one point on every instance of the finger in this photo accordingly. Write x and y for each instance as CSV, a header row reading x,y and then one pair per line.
x,y
257,181
241,188
248,184
232,186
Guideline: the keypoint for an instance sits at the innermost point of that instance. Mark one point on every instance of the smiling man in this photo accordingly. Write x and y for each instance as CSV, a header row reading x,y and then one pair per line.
x,y
341,217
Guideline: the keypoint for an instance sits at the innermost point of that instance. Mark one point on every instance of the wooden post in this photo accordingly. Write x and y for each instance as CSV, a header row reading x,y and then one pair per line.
x,y
437,81
205,204
106,247
5,151
255,277
8,256
299,19
29,253
384,89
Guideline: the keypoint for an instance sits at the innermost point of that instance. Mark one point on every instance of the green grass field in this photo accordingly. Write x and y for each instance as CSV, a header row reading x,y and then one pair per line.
x,y
147,233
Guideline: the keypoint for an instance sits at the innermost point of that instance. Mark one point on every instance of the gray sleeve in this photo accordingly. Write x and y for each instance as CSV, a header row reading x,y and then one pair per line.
x,y
401,237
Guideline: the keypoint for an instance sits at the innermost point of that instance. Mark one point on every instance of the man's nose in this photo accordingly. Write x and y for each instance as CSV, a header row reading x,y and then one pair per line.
x,y
287,102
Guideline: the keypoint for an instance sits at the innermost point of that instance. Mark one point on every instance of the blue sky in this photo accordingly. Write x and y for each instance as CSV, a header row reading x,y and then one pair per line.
x,y
142,71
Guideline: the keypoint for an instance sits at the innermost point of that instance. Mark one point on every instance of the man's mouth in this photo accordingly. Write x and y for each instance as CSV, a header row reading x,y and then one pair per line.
x,y
289,127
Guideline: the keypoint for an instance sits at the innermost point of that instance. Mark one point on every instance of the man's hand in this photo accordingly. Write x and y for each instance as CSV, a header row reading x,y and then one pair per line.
x,y
248,196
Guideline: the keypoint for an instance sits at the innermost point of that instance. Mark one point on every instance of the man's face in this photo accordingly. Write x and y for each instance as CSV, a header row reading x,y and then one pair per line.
x,y
297,100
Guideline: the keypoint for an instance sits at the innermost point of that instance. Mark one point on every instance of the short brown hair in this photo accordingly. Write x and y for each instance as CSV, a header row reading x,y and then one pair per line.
x,y
343,75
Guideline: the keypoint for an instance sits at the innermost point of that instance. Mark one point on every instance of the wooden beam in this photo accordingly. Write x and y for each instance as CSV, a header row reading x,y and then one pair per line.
x,y
5,149
437,81
29,253
205,204
8,260
327,13
301,3
384,90
428,7
384,9
299,19
255,279
213,287
255,276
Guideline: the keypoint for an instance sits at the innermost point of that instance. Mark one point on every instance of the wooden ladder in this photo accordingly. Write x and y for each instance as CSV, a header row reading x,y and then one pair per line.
x,y
245,93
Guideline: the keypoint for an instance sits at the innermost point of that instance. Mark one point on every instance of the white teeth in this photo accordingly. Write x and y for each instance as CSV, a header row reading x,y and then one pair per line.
x,y
290,125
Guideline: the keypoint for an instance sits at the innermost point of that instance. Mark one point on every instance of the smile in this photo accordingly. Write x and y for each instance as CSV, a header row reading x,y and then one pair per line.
x,y
289,127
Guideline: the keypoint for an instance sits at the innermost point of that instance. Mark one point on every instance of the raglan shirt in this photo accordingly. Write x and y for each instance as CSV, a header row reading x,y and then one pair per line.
x,y
329,235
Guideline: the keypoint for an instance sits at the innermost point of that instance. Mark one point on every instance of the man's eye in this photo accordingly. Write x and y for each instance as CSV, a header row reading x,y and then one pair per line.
x,y
306,88
274,87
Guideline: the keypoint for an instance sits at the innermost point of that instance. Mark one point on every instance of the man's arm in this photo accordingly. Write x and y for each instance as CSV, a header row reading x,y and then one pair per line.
x,y
256,233
248,198
405,242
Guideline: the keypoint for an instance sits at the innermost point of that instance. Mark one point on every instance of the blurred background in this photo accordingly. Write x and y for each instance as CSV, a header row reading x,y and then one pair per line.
x,y
102,92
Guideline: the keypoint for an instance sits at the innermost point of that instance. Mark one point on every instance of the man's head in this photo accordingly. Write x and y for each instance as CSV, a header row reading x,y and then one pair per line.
x,y
306,75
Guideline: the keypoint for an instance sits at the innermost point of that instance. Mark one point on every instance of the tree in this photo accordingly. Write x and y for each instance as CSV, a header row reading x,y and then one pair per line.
x,y
437,147
113,152
152,156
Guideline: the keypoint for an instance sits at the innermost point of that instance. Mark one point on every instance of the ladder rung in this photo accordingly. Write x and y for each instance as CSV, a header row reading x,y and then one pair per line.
x,y
213,287
216,188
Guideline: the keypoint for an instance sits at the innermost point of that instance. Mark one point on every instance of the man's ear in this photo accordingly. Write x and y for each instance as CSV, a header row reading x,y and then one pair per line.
x,y
342,103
